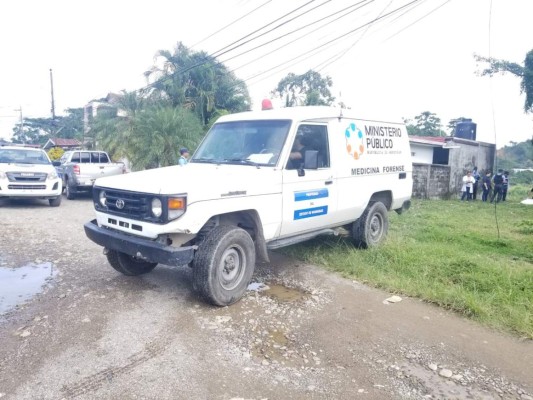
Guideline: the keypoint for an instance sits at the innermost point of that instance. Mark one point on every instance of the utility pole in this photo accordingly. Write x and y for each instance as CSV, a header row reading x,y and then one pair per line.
x,y
53,109
52,93
21,130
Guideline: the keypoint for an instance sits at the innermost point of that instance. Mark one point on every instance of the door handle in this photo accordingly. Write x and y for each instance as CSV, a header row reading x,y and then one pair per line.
x,y
329,182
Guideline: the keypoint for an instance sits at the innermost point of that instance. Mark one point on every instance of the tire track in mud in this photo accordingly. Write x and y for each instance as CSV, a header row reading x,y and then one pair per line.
x,y
151,350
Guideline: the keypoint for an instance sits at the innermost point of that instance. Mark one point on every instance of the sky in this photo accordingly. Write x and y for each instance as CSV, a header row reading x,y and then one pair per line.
x,y
419,58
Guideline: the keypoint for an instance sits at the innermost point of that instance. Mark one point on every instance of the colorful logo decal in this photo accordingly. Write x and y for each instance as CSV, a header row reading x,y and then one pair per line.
x,y
354,141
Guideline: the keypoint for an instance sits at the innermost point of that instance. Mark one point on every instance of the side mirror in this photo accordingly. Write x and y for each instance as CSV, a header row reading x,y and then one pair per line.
x,y
56,163
310,162
311,159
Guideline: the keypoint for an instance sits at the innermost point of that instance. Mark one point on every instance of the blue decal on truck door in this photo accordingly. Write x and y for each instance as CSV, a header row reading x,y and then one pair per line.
x,y
311,194
310,212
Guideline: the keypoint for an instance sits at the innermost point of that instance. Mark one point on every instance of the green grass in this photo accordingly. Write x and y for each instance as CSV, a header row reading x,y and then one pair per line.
x,y
448,253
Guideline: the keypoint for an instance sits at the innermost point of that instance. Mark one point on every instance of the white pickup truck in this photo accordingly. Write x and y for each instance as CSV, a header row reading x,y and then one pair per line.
x,y
28,173
80,168
258,181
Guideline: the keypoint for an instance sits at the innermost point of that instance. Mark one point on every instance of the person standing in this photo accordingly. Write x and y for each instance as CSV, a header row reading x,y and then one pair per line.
x,y
498,186
184,156
505,185
486,185
468,185
477,177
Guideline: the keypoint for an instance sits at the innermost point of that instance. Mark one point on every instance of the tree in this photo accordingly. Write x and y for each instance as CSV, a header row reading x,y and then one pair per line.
x,y
524,72
426,124
39,130
453,123
196,81
157,134
309,89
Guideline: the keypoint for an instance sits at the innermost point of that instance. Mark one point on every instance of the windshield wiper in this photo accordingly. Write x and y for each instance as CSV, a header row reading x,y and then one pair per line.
x,y
246,161
205,160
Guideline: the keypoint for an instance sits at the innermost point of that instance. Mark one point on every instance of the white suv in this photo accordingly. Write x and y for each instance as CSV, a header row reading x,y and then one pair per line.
x,y
259,181
27,172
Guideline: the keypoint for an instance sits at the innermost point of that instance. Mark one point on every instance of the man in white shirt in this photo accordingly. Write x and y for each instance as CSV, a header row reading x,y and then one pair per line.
x,y
468,186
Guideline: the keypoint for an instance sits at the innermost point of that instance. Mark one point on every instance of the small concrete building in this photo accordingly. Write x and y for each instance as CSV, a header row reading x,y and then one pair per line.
x,y
439,164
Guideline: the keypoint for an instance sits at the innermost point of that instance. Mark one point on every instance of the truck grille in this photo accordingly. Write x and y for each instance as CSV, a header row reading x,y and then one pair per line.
x,y
26,176
27,187
129,204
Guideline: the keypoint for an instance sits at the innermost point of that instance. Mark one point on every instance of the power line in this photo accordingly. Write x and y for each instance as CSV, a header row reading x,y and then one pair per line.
x,y
231,23
419,19
339,37
299,29
263,27
343,53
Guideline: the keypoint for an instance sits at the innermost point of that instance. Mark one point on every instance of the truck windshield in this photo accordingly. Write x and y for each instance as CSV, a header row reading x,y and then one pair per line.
x,y
23,156
257,142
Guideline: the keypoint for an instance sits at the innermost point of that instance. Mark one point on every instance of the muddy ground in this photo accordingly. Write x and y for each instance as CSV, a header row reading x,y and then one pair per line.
x,y
303,333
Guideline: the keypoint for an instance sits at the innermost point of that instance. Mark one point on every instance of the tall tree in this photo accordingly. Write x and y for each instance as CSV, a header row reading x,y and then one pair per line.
x,y
39,130
425,124
524,72
308,89
158,133
196,81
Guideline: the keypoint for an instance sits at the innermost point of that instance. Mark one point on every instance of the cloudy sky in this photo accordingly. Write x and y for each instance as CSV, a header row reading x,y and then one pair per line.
x,y
413,59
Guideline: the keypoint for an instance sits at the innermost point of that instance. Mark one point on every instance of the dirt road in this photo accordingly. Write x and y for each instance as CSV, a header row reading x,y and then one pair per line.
x,y
302,334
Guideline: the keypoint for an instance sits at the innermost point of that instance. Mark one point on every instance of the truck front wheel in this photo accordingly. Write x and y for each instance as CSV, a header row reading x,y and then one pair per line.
x,y
223,265
128,265
372,226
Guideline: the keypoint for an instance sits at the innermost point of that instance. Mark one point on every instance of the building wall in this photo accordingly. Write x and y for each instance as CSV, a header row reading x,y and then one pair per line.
x,y
431,181
469,155
421,154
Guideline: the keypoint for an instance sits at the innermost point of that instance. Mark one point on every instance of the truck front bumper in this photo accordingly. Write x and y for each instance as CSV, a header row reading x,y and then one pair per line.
x,y
138,247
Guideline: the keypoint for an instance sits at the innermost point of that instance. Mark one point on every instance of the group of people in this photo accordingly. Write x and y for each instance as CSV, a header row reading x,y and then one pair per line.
x,y
494,187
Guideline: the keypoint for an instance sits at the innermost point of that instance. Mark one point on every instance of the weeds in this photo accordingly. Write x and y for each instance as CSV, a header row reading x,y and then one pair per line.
x,y
448,253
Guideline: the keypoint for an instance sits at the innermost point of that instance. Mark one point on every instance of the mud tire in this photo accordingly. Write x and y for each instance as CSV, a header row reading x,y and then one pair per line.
x,y
223,265
55,202
70,191
128,265
372,226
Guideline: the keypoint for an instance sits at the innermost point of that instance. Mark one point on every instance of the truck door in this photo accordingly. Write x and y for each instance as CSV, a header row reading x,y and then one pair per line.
x,y
309,201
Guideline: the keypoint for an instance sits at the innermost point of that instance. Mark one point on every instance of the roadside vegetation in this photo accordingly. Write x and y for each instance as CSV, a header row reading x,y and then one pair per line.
x,y
448,253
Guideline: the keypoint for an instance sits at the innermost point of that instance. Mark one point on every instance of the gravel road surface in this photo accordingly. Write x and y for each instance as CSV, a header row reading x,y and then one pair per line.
x,y
299,333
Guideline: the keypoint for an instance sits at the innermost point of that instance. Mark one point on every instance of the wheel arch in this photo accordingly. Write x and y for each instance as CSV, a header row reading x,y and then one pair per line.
x,y
384,197
249,220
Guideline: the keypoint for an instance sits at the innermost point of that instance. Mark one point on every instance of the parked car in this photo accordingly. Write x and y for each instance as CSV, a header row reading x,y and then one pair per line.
x,y
79,169
28,173
260,180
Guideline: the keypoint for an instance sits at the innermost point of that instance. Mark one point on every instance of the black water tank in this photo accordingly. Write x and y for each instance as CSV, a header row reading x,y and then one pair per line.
x,y
466,130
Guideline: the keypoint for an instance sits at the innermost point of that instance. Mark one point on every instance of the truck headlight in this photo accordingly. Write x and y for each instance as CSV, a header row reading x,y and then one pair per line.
x,y
2,175
157,207
102,198
176,207
52,175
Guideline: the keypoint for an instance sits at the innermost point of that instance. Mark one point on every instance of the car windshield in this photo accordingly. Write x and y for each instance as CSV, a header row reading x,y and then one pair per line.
x,y
257,143
23,156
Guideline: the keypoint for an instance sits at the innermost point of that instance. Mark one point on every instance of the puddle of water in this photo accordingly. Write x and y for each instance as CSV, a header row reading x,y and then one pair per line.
x,y
284,293
18,285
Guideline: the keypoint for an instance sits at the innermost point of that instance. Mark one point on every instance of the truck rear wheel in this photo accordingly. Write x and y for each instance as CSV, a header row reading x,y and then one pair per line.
x,y
224,265
128,265
70,190
372,226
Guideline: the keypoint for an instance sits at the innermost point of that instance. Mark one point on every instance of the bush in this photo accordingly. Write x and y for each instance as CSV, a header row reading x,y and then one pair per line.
x,y
55,153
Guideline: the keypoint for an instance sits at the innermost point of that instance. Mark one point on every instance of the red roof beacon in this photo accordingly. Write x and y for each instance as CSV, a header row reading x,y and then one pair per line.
x,y
266,104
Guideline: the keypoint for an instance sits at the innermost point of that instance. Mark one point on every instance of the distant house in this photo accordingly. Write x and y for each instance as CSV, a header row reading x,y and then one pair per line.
x,y
65,144
439,164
